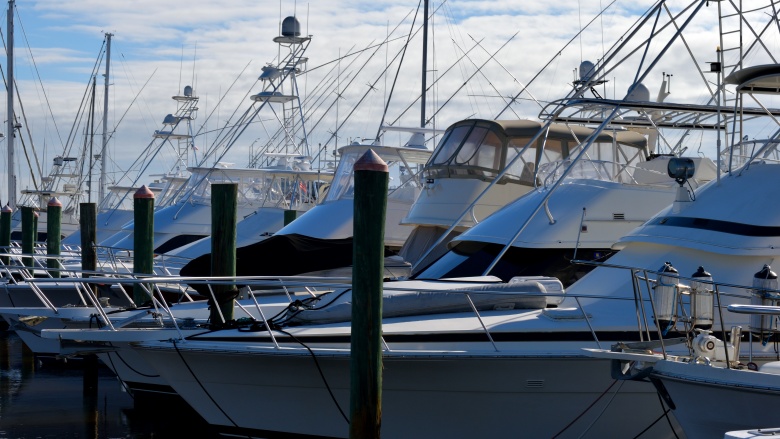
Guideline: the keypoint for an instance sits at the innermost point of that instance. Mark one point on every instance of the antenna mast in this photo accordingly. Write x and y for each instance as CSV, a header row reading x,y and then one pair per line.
x,y
10,91
102,183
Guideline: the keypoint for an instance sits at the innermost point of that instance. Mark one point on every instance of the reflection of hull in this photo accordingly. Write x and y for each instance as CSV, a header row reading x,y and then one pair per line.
x,y
423,395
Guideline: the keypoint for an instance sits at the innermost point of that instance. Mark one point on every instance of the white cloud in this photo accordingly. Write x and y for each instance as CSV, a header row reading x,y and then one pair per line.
x,y
212,42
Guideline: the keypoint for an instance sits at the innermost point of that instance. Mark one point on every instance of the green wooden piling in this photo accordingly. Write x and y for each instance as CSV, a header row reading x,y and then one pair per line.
x,y
143,239
28,233
370,207
5,231
88,226
289,216
36,215
224,199
53,235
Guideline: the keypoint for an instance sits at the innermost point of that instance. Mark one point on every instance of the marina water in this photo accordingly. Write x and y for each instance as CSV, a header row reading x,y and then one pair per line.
x,y
46,399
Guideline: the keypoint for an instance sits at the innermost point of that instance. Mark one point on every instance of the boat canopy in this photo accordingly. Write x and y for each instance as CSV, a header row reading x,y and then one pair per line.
x,y
477,148
756,79
264,185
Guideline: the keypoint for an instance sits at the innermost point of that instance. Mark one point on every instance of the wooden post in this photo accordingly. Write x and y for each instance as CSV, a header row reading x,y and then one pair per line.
x,y
36,215
88,226
53,235
5,232
28,240
224,201
143,240
289,216
370,207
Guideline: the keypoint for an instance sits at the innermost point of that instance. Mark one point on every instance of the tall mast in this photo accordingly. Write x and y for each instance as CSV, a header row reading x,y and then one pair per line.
x,y
10,91
102,183
424,64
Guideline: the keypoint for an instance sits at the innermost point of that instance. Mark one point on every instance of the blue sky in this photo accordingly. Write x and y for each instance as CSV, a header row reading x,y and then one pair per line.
x,y
208,44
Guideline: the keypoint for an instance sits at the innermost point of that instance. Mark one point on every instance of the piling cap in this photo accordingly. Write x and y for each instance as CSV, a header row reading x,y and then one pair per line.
x,y
766,273
701,273
54,202
370,161
6,209
143,192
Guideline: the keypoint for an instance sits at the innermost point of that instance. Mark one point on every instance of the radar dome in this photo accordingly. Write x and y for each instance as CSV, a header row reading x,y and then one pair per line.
x,y
188,91
639,93
586,70
291,27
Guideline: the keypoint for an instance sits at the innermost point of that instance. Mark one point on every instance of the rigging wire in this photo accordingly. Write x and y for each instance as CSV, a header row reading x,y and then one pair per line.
x,y
322,374
400,63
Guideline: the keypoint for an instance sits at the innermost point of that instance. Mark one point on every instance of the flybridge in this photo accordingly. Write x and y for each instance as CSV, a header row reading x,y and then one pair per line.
x,y
649,114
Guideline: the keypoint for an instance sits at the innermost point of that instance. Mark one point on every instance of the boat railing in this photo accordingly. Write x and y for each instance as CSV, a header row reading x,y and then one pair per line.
x,y
17,267
604,170
688,310
294,289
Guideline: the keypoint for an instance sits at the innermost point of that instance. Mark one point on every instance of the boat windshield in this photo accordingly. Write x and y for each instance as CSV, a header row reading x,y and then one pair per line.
x,y
402,166
739,154
482,148
260,186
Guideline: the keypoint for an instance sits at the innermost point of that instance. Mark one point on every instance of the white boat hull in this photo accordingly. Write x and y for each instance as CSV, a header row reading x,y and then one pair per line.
x,y
260,391
711,401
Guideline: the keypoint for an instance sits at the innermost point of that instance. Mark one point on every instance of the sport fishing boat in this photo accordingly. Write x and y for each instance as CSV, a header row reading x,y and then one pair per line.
x,y
478,167
460,373
705,361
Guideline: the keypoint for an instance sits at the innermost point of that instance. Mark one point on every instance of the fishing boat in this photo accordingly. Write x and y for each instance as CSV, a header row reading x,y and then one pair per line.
x,y
697,348
463,373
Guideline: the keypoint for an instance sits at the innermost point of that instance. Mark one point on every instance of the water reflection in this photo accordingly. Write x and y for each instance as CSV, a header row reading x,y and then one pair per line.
x,y
51,400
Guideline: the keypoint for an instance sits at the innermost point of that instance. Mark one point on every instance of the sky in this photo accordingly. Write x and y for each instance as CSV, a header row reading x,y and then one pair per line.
x,y
480,54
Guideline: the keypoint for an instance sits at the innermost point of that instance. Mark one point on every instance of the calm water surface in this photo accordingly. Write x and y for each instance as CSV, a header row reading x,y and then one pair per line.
x,y
47,400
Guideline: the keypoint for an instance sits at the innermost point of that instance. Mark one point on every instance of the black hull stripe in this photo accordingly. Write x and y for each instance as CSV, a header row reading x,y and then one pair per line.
x,y
625,336
149,388
252,433
716,226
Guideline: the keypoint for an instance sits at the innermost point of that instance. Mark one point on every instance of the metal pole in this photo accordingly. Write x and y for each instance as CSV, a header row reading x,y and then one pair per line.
x,y
10,109
102,184
424,65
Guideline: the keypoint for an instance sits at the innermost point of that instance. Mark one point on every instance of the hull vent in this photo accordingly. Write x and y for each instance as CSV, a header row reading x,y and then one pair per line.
x,y
534,384
619,216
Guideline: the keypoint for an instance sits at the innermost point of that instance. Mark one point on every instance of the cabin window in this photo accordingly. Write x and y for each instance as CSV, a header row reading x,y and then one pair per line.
x,y
450,144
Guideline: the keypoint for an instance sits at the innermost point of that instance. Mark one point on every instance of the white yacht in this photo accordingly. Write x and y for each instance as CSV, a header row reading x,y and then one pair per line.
x,y
698,348
320,239
463,371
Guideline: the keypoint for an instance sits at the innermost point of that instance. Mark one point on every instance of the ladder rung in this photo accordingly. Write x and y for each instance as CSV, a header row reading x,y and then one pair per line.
x,y
730,32
727,50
